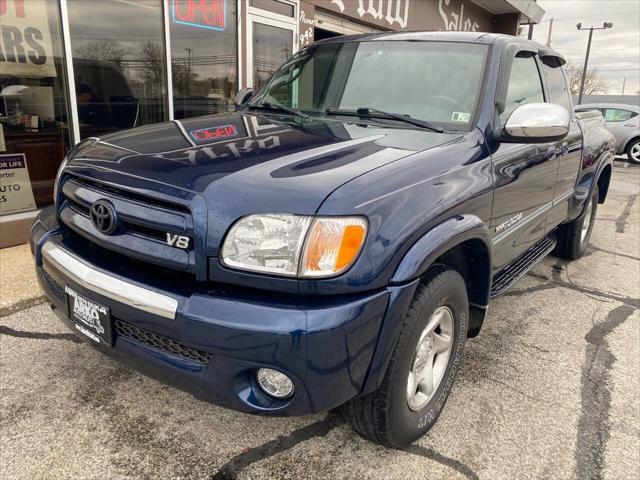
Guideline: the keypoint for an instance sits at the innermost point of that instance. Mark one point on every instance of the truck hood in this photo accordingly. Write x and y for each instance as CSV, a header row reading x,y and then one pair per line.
x,y
239,156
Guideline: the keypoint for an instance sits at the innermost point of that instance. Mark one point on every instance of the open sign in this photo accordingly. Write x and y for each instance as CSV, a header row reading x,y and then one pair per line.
x,y
211,14
213,133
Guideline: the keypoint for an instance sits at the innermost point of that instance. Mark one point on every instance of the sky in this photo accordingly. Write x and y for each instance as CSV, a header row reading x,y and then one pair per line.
x,y
615,52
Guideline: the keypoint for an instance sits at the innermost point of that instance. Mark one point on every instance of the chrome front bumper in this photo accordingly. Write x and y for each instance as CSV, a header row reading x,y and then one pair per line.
x,y
118,290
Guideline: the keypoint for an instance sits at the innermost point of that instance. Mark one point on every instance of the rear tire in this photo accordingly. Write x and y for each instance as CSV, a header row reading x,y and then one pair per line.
x,y
418,379
573,238
633,151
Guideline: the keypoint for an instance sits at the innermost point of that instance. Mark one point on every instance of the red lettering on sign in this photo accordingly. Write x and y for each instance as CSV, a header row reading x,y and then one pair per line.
x,y
200,13
18,5
214,132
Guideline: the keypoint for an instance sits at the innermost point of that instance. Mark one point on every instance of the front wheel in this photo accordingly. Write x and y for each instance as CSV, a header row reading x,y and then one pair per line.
x,y
633,151
422,368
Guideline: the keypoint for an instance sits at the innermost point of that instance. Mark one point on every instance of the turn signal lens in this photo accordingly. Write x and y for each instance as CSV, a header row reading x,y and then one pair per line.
x,y
333,244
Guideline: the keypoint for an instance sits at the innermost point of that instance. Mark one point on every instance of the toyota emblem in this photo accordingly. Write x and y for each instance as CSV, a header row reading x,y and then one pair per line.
x,y
103,217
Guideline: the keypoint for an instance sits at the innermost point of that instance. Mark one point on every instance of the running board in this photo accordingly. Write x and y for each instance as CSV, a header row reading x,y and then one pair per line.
x,y
516,270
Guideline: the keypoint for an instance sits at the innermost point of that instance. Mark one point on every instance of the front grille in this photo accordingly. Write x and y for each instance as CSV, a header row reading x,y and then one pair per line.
x,y
154,340
144,224
58,289
129,195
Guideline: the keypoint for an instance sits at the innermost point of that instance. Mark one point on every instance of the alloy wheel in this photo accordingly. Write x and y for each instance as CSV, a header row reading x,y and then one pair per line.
x,y
635,152
430,358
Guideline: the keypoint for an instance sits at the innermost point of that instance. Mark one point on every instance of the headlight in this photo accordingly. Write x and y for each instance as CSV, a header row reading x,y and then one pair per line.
x,y
57,180
294,245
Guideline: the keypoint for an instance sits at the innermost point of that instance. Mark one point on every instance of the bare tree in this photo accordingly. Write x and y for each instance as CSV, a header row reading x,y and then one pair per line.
x,y
151,64
594,83
105,50
184,78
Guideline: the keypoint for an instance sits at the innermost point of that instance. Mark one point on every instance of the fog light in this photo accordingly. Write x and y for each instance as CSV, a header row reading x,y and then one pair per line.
x,y
276,384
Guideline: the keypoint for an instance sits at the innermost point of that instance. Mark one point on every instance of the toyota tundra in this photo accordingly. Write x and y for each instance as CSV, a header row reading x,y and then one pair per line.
x,y
335,240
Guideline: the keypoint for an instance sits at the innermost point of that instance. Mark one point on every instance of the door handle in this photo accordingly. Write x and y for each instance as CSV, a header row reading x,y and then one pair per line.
x,y
564,148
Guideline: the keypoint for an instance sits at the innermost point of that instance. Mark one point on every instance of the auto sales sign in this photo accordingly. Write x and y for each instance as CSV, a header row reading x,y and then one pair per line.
x,y
25,40
16,194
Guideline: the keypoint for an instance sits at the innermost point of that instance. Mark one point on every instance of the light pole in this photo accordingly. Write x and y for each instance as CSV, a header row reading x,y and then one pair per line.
x,y
188,83
604,26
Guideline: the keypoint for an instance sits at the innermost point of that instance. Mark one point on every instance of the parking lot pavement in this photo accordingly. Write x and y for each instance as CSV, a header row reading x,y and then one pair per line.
x,y
550,389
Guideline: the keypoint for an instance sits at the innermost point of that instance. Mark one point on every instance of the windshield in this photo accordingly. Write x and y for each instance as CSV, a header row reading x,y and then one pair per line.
x,y
437,82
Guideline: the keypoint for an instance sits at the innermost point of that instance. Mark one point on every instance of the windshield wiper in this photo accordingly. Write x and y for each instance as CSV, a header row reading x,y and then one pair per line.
x,y
374,112
277,106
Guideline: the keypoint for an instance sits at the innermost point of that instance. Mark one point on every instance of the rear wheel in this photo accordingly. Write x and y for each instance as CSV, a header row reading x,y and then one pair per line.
x,y
422,368
633,150
573,237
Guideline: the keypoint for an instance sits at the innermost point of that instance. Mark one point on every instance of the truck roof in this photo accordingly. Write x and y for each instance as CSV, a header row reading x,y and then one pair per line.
x,y
447,36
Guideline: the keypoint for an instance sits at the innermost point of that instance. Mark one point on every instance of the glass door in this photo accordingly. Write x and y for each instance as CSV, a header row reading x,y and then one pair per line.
x,y
272,39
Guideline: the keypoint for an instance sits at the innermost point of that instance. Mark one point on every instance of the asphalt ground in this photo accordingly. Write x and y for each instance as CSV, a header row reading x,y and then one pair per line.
x,y
550,389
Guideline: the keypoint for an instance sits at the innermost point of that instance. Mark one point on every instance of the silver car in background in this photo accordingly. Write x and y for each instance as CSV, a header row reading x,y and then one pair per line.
x,y
623,121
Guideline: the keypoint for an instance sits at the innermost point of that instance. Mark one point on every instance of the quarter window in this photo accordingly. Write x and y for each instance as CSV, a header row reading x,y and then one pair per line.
x,y
524,85
618,115
556,84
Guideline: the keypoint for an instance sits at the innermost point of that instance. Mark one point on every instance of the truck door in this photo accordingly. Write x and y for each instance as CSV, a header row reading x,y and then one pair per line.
x,y
524,173
569,148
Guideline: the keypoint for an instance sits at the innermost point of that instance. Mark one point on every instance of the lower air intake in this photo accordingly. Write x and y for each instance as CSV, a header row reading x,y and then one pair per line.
x,y
154,340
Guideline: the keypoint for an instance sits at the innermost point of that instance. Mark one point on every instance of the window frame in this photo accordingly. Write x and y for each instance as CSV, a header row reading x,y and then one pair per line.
x,y
265,17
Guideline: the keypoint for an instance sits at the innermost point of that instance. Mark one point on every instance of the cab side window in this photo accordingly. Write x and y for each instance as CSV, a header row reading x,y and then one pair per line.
x,y
556,84
524,85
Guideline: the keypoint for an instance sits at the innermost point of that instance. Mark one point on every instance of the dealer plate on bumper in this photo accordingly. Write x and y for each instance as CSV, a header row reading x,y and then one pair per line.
x,y
90,318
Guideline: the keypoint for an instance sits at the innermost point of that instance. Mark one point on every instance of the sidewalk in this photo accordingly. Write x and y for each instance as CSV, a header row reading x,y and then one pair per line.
x,y
18,285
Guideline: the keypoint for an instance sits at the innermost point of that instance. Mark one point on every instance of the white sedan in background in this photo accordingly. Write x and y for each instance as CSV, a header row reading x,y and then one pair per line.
x,y
623,121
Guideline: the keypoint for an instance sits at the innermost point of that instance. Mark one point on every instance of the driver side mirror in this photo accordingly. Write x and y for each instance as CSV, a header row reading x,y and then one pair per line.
x,y
536,123
243,96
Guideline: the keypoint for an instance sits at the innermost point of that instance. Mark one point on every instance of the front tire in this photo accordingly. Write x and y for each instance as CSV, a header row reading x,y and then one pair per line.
x,y
422,368
633,151
573,238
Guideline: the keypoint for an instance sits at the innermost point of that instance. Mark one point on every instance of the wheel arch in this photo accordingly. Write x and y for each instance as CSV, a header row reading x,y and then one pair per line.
x,y
603,183
462,243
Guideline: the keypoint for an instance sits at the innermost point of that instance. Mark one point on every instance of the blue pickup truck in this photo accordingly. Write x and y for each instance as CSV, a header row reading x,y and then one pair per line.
x,y
335,241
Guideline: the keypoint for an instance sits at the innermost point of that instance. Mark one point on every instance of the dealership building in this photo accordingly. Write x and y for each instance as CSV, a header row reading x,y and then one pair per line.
x,y
72,69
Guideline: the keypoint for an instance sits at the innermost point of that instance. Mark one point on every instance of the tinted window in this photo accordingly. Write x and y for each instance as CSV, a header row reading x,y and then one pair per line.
x,y
275,6
556,84
118,63
204,56
524,86
271,47
618,115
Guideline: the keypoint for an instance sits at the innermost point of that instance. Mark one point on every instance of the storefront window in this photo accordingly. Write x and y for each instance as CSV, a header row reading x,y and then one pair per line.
x,y
34,133
118,63
271,47
204,56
